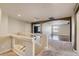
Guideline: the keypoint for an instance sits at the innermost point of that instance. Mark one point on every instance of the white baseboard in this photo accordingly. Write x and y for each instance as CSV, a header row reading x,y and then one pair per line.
x,y
76,51
5,51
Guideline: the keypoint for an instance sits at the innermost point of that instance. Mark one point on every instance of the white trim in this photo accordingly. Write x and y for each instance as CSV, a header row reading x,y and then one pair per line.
x,y
76,51
33,42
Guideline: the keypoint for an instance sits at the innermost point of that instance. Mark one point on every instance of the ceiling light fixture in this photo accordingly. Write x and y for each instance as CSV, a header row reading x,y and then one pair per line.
x,y
36,18
19,15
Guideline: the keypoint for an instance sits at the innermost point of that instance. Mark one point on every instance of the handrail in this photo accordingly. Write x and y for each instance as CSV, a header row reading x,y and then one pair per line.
x,y
14,37
23,38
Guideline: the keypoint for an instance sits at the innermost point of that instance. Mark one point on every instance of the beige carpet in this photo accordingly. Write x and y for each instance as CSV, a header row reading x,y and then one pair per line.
x,y
59,48
9,53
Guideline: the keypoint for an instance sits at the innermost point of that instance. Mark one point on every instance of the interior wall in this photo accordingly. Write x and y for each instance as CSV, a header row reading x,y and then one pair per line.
x,y
73,30
15,26
4,25
5,42
77,18
12,25
46,28
0,15
63,30
27,27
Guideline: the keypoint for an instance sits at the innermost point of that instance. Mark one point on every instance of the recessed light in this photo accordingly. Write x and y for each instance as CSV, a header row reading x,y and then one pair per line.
x,y
19,15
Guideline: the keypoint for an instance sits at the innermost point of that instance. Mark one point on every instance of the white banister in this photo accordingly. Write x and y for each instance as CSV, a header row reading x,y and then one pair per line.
x,y
25,39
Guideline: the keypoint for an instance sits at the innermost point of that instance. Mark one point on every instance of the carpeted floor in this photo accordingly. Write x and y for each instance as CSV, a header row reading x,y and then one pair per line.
x,y
59,48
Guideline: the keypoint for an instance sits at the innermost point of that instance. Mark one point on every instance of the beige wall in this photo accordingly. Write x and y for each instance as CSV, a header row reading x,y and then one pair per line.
x,y
4,25
5,43
27,27
0,14
11,25
77,31
46,28
73,30
15,26
63,30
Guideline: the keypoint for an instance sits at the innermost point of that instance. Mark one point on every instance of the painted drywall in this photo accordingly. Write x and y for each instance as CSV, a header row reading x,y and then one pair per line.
x,y
73,30
15,26
47,29
5,42
63,29
0,14
4,25
77,17
12,25
27,27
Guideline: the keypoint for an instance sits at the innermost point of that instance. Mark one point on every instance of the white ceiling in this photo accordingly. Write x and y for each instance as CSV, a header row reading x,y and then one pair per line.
x,y
42,11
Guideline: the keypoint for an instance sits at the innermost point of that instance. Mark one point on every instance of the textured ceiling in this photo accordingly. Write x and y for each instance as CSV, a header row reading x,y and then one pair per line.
x,y
37,12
